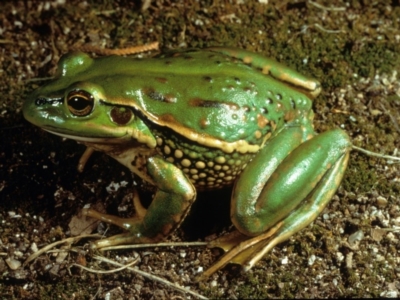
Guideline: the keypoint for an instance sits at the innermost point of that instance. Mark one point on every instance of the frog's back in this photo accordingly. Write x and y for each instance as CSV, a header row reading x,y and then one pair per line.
x,y
202,93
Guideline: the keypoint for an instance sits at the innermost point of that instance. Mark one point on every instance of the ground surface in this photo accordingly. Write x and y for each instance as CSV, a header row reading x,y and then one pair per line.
x,y
352,47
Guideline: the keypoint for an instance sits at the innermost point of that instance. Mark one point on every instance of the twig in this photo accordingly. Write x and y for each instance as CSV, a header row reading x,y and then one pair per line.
x,y
370,153
136,246
52,245
326,8
124,51
108,271
149,276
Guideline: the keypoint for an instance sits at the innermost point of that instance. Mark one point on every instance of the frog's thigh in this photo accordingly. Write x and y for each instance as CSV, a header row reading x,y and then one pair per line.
x,y
307,177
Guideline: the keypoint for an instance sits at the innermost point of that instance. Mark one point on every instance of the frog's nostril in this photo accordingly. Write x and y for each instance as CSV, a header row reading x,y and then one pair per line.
x,y
40,101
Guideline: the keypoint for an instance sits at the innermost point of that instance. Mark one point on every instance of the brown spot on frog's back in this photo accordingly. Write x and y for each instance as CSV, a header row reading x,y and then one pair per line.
x,y
290,116
204,123
162,79
262,121
208,79
247,59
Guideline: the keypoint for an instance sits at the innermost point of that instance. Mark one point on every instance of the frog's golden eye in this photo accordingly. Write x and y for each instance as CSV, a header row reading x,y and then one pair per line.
x,y
80,103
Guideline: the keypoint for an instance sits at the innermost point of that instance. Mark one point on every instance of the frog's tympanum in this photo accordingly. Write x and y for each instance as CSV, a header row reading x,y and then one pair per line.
x,y
201,120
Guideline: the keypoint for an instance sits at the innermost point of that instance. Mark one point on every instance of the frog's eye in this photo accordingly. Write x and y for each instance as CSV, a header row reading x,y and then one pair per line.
x,y
80,103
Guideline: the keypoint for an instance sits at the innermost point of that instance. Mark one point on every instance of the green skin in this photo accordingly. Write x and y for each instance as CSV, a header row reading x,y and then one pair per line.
x,y
200,120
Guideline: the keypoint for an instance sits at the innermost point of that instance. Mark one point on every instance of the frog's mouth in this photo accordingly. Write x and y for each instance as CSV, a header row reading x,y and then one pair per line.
x,y
127,136
87,139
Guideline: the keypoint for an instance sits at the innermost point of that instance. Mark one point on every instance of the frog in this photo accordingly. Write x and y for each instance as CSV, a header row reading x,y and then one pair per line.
x,y
200,120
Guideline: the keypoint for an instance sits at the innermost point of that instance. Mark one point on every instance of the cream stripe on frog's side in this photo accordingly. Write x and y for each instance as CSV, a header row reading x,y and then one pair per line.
x,y
206,140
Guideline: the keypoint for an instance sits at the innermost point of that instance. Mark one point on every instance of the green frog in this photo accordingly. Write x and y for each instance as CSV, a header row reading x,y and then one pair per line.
x,y
201,120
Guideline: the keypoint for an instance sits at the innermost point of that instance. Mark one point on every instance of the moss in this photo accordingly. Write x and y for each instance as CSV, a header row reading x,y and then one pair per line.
x,y
67,289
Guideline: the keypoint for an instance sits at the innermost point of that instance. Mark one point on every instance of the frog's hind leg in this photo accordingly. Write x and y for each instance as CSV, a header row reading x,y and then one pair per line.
x,y
308,210
286,198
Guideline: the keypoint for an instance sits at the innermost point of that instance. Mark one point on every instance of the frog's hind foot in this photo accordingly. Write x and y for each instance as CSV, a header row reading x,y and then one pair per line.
x,y
243,250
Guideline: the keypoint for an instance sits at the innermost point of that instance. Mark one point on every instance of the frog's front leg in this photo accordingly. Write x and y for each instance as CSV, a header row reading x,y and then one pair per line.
x,y
282,190
172,200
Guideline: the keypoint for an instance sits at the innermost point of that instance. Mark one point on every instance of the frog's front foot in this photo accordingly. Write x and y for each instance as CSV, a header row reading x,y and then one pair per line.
x,y
132,225
170,204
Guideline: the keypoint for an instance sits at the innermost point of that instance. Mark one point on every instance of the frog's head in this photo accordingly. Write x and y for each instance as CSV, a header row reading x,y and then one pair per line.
x,y
77,107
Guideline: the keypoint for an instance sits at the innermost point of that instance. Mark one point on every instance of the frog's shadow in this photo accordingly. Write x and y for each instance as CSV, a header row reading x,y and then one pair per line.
x,y
209,214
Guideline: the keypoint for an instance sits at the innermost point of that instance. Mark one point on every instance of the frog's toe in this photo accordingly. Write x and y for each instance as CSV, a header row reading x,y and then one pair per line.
x,y
133,226
241,249
125,223
228,241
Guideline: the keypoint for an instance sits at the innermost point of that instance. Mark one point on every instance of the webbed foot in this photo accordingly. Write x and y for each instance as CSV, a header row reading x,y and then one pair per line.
x,y
241,249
